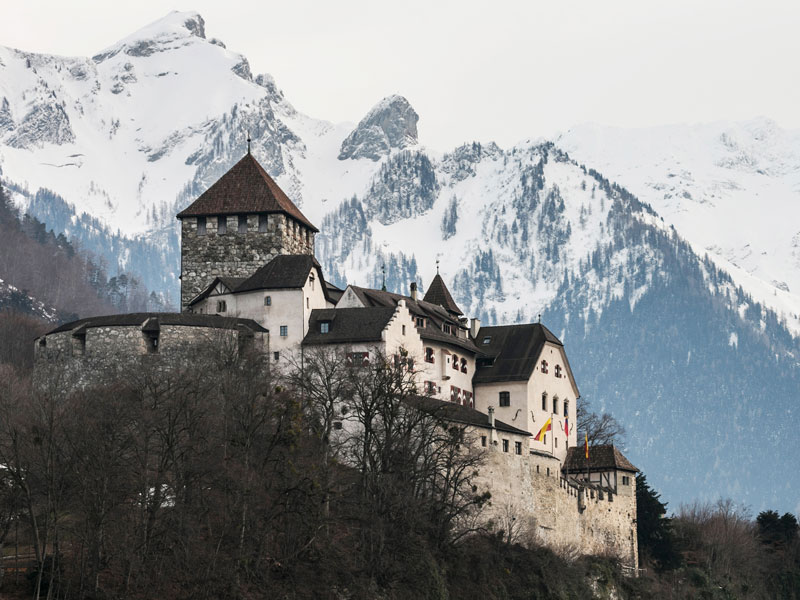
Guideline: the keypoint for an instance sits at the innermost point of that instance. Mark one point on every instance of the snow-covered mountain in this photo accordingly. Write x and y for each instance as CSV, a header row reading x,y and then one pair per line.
x,y
705,377
731,189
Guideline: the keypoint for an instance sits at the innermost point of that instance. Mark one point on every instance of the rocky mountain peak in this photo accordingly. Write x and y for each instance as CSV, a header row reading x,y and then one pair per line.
x,y
390,124
157,35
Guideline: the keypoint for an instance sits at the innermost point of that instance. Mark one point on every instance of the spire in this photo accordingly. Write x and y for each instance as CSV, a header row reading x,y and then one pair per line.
x,y
248,142
439,294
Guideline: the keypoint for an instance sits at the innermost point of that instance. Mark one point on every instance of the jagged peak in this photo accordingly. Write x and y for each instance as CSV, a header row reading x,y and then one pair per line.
x,y
143,42
390,124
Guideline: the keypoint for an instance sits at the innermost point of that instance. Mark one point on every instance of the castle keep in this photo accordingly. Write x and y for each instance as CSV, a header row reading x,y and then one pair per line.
x,y
248,273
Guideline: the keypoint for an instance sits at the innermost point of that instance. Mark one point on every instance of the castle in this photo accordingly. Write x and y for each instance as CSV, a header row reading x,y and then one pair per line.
x,y
248,272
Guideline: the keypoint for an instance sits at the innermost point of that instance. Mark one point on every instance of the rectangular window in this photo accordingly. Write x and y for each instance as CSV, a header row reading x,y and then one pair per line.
x,y
467,398
544,401
337,424
555,405
420,321
201,225
626,480
455,362
505,398
276,355
566,408
222,306
284,330
518,448
357,359
324,327
308,304
430,388
505,445
222,225
487,339
556,441
267,300
242,223
446,328
262,223
463,365
455,394
151,342
404,329
429,355
483,441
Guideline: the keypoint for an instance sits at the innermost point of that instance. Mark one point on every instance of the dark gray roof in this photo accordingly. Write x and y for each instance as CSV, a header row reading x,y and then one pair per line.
x,y
601,458
457,413
509,352
157,320
286,271
348,325
435,316
439,294
334,293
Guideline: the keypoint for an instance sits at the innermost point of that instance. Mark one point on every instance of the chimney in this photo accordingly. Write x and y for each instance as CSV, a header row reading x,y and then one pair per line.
x,y
414,290
474,328
491,417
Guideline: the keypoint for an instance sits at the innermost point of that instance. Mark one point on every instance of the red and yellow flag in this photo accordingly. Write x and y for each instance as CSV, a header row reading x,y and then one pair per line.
x,y
586,444
545,428
566,427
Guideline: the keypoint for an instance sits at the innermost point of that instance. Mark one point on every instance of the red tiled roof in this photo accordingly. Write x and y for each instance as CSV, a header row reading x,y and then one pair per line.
x,y
245,189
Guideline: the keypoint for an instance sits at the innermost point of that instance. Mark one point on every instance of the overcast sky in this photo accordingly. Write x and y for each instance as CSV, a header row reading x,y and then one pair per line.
x,y
495,70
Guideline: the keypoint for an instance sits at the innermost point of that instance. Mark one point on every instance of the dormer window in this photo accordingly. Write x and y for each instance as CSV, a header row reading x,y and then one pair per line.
x,y
222,225
421,322
242,223
201,225
544,366
446,328
487,339
558,371
324,326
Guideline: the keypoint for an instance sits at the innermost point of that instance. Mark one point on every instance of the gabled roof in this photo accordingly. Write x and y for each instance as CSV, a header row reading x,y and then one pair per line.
x,y
286,271
348,325
434,314
457,413
245,189
334,292
439,294
514,350
153,321
601,458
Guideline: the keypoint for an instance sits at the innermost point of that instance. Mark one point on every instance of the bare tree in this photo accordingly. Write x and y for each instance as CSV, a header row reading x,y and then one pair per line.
x,y
600,429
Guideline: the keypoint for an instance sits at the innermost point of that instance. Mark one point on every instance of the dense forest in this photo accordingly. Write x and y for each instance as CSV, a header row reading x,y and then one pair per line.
x,y
214,477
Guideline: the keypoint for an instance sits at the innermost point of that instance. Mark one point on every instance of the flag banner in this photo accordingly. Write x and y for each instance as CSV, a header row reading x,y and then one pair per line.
x,y
545,428
566,426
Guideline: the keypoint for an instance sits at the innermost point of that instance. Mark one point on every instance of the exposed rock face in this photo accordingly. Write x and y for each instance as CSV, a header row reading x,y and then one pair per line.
x,y
392,123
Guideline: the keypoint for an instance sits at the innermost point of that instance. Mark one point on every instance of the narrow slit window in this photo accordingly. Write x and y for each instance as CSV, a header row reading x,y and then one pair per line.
x,y
242,223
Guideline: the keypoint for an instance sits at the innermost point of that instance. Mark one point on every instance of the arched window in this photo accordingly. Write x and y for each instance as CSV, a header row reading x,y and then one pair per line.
x,y
555,405
558,371
544,401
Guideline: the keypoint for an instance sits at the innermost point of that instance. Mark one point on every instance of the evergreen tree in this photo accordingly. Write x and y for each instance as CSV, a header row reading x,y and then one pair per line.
x,y
654,529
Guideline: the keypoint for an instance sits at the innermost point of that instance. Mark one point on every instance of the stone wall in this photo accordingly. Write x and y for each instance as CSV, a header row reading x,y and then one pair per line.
x,y
235,254
104,350
530,494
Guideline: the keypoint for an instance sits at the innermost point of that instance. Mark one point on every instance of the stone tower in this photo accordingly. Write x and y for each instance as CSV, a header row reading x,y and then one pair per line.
x,y
236,226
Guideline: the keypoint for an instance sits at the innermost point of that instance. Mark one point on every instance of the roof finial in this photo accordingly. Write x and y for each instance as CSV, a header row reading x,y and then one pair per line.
x,y
248,142
437,266
540,317
383,271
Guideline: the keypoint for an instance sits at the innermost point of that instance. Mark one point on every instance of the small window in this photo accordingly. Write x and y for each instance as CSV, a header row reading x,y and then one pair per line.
x,y
544,401
544,366
626,480
463,365
518,448
487,339
455,362
446,328
505,445
262,223
284,330
566,408
308,303
483,441
324,327
429,355
222,225
222,306
201,225
430,388
276,355
505,398
242,223
404,329
311,279
151,342
558,371
548,471
556,441
420,321
337,424
79,344
455,394
267,300
555,405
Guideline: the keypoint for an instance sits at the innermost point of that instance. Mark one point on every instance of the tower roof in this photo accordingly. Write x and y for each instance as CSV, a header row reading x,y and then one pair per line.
x,y
245,189
439,294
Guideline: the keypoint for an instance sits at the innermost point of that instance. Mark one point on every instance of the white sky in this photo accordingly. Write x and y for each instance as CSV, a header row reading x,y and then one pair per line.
x,y
496,70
